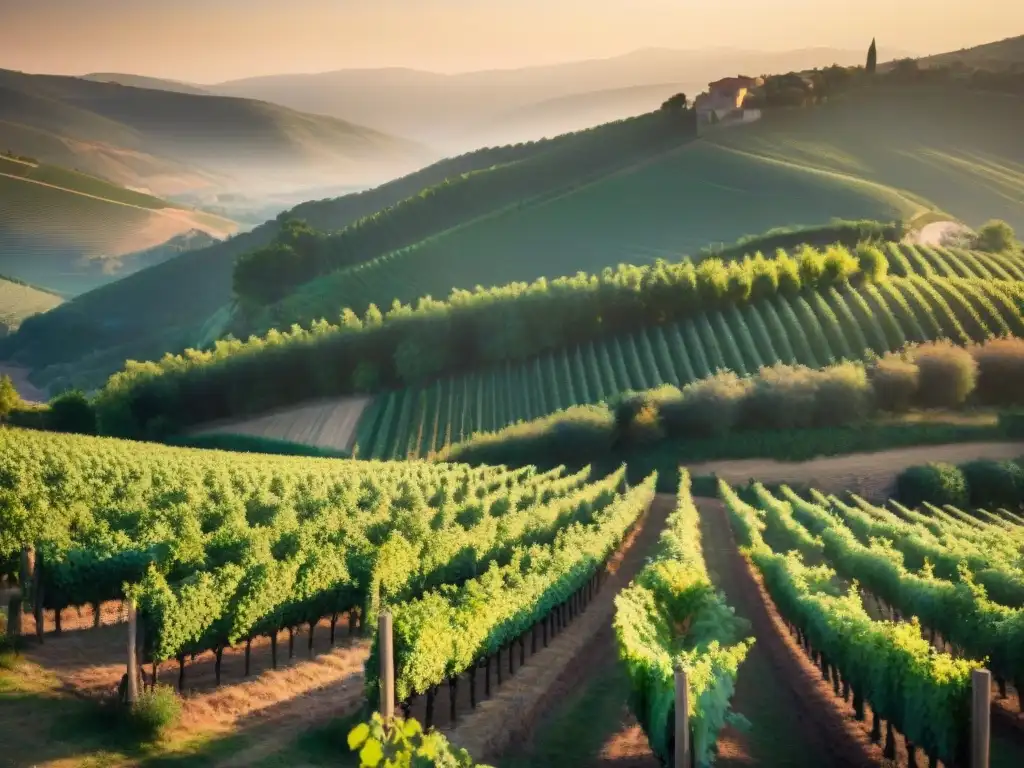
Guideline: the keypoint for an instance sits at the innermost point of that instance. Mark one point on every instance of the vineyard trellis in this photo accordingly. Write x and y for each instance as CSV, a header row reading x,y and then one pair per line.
x,y
950,294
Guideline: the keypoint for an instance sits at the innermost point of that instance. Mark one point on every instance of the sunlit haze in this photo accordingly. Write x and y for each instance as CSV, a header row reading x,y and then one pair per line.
x,y
207,41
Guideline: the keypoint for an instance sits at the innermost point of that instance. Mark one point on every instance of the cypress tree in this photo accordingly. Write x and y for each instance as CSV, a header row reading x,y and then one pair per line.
x,y
872,58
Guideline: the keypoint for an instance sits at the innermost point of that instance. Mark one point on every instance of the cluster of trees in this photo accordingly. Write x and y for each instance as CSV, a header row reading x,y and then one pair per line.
x,y
411,345
299,254
68,412
798,89
779,398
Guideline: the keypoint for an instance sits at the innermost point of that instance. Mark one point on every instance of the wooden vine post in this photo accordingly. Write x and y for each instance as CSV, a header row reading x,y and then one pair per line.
x,y
385,641
981,714
132,687
682,724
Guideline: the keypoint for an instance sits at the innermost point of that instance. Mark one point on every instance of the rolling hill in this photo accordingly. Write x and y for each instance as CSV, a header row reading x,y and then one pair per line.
x,y
141,81
71,232
664,207
967,161
454,112
1002,55
168,142
166,308
19,300
710,191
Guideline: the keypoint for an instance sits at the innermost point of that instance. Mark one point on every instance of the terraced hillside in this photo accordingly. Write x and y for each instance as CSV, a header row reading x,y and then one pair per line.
x,y
661,207
934,292
164,308
967,161
71,232
18,301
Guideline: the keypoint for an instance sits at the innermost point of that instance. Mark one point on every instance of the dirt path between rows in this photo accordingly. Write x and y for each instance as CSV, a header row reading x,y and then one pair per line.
x,y
794,722
503,723
871,475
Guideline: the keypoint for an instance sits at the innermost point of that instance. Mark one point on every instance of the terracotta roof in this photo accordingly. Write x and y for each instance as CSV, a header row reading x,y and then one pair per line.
x,y
733,83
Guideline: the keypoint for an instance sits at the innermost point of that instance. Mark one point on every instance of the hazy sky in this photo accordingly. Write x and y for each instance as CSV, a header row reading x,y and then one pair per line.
x,y
208,41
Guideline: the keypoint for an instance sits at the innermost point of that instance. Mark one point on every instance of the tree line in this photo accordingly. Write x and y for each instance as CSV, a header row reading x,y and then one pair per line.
x,y
410,345
798,89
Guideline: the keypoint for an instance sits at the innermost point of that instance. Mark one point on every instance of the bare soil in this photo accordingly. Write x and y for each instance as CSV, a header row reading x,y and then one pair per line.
x,y
313,685
871,475
324,423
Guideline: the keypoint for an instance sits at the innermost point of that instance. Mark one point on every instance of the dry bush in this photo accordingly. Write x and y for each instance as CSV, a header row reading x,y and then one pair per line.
x,y
1000,372
947,374
894,381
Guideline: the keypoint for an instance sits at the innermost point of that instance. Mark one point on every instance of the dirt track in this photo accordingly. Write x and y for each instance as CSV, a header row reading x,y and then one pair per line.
x,y
871,475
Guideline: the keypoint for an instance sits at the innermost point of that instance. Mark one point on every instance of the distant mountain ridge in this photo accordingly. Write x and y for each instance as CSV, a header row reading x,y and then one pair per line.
x,y
170,142
141,81
999,55
442,109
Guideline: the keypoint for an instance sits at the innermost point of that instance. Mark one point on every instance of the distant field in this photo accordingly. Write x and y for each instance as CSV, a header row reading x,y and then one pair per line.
x,y
71,238
676,204
19,301
960,152
811,330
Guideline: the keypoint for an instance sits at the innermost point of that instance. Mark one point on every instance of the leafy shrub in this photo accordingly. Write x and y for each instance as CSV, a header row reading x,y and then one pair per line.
x,y
156,710
947,374
994,483
365,377
797,397
842,395
708,408
1000,371
578,431
787,270
781,397
71,412
1012,424
764,277
995,236
934,483
894,381
812,265
874,264
839,265
637,417
404,743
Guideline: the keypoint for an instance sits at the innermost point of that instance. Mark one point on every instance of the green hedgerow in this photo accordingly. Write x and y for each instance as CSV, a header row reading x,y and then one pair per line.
x,y
947,374
894,380
994,483
934,483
